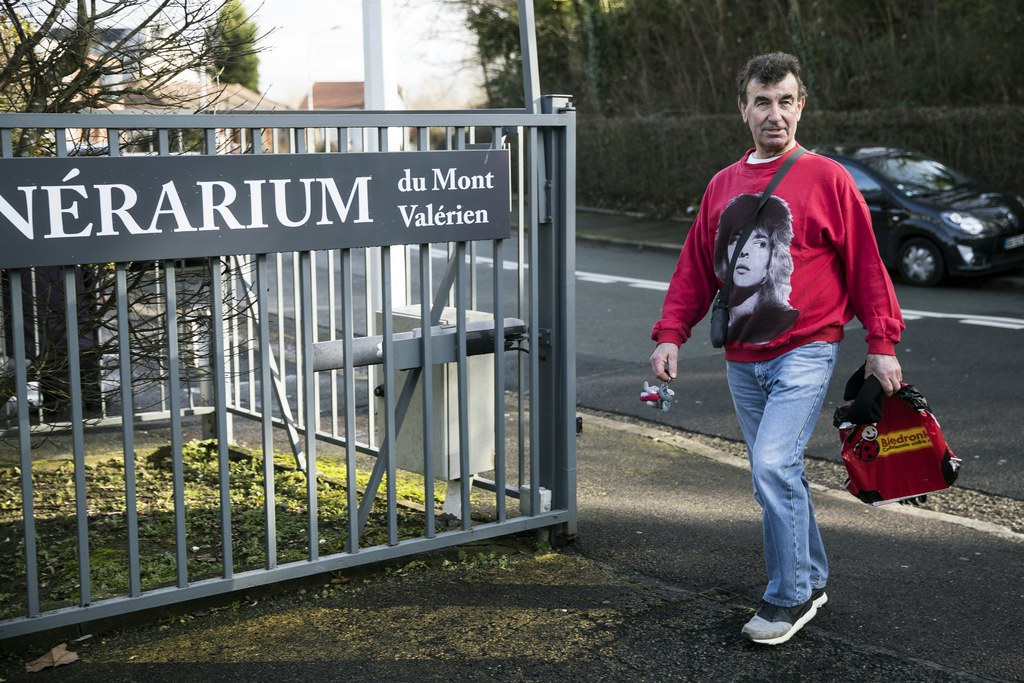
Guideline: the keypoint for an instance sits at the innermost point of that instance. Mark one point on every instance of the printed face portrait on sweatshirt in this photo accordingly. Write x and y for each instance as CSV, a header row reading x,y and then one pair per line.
x,y
759,309
752,264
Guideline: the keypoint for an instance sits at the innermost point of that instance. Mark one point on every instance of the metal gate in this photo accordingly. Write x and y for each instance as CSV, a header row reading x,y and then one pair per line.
x,y
427,391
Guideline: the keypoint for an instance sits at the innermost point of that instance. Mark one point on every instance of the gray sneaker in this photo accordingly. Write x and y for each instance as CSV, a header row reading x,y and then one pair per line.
x,y
819,597
772,625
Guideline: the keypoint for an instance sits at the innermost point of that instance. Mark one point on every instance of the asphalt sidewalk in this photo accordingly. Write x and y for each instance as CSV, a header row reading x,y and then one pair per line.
x,y
665,570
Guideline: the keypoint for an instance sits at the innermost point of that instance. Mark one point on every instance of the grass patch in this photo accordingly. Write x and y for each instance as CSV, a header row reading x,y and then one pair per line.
x,y
57,550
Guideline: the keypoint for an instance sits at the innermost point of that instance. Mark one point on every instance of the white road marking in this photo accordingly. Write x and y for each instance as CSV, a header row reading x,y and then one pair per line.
x,y
969,319
999,322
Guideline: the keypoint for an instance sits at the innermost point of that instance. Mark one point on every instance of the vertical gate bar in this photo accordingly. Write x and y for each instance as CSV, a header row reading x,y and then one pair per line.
x,y
427,376
388,346
521,311
250,346
77,431
332,313
163,144
533,297
231,310
233,360
35,334
279,282
347,323
242,331
114,142
128,429
158,285
313,290
498,298
474,298
371,328
499,378
256,135
371,256
450,254
220,394
307,264
266,412
6,143
428,393
463,382
174,391
297,331
60,137
24,443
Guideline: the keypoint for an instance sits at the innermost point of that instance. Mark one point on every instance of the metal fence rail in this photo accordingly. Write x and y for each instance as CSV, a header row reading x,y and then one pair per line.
x,y
406,377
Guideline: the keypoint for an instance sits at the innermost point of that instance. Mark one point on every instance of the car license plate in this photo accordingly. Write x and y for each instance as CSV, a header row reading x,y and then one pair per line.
x,y
1013,242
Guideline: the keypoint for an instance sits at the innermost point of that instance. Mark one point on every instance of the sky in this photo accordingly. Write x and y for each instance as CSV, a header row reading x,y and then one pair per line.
x,y
323,39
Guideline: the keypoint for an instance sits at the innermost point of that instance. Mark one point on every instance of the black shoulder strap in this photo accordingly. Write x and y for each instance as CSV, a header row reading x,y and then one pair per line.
x,y
749,227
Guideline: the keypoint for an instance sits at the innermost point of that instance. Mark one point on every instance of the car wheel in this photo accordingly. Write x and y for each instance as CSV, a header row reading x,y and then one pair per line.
x,y
921,263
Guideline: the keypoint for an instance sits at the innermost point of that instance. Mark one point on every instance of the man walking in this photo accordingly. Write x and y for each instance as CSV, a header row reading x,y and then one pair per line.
x,y
825,271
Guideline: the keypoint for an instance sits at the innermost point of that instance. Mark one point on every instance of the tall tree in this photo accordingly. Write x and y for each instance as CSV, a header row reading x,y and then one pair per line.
x,y
65,57
680,57
495,23
234,37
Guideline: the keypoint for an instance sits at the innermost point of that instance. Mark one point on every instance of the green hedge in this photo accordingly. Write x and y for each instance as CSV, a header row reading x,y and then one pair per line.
x,y
660,166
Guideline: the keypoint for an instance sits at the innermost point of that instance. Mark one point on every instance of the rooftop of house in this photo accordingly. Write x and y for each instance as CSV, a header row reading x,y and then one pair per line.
x,y
336,95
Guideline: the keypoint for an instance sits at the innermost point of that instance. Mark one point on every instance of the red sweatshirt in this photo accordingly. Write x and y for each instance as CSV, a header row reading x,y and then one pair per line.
x,y
819,263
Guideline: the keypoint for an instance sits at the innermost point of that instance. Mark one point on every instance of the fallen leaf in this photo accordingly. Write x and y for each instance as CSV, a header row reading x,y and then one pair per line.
x,y
55,657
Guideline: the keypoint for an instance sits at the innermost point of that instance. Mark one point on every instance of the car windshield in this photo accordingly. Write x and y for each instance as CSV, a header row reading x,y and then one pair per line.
x,y
916,175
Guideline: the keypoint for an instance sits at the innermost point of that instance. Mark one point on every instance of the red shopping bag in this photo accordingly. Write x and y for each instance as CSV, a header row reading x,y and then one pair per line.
x,y
893,447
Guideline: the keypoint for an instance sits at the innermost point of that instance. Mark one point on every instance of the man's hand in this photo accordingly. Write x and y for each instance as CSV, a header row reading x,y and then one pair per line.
x,y
665,361
887,369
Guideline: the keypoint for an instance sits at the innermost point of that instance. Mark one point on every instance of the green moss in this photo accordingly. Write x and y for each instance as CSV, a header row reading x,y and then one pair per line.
x,y
54,500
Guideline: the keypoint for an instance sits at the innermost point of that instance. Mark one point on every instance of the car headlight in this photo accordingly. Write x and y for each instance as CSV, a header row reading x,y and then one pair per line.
x,y
964,221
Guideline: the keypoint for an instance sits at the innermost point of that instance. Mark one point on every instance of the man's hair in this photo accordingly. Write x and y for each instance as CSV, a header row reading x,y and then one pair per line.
x,y
769,69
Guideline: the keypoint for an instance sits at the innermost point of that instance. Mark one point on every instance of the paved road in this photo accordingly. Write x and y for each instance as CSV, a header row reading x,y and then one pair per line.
x,y
961,348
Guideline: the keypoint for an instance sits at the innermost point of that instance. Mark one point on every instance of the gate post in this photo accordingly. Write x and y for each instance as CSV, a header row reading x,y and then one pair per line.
x,y
556,302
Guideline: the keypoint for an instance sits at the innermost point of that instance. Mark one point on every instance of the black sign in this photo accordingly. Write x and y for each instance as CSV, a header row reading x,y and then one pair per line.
x,y
101,210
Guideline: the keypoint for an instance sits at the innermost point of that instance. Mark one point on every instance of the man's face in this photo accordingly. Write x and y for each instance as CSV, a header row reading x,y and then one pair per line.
x,y
772,112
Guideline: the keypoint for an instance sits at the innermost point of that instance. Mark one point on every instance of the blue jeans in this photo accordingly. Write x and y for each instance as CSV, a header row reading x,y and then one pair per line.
x,y
777,403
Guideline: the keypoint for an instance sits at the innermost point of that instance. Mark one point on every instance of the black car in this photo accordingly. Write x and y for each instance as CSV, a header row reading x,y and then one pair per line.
x,y
930,220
